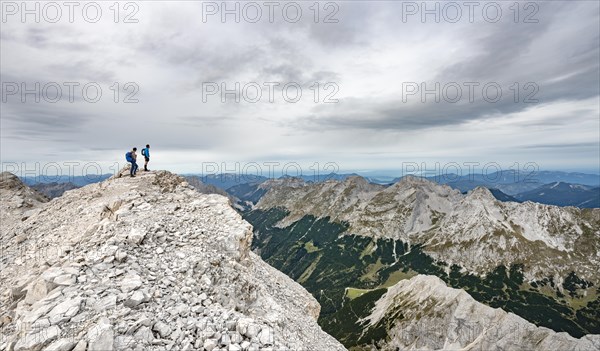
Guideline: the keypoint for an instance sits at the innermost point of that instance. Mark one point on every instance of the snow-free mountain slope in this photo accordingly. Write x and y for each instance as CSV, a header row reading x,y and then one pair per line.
x,y
564,194
422,313
475,230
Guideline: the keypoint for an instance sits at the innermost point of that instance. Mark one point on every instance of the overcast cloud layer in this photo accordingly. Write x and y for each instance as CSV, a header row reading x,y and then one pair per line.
x,y
371,54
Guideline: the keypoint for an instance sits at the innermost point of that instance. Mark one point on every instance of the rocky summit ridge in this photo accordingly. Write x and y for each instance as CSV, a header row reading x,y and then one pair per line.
x,y
17,198
143,263
428,315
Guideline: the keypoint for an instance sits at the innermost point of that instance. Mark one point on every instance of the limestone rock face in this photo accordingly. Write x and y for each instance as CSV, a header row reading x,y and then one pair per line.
x,y
143,263
18,201
434,316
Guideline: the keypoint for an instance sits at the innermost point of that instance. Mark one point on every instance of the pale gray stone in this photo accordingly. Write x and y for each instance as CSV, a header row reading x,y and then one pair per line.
x,y
123,342
162,329
65,279
81,346
136,236
106,303
65,344
65,310
144,334
210,344
225,340
101,336
37,291
121,256
130,282
266,336
136,298
104,341
37,338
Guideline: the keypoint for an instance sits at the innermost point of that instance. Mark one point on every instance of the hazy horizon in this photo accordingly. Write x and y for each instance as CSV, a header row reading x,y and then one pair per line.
x,y
276,171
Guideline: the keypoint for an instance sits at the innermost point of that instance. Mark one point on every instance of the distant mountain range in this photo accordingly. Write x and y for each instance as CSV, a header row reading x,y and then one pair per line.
x,y
577,195
511,177
564,194
75,180
228,180
546,187
52,190
513,182
505,186
499,195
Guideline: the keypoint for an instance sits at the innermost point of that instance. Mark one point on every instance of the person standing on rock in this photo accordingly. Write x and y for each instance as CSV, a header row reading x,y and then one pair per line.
x,y
131,157
146,154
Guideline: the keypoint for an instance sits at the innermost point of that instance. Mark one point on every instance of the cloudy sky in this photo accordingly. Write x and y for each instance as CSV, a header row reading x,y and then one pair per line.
x,y
369,62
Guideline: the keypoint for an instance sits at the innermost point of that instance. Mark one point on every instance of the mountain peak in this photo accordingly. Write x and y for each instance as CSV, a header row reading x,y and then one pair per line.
x,y
16,198
293,182
412,179
356,180
481,192
10,181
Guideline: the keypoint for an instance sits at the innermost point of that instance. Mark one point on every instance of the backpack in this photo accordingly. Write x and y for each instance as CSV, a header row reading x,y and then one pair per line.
x,y
128,157
144,152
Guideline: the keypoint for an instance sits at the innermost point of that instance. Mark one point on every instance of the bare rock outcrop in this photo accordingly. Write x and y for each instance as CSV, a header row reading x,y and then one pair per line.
x,y
422,313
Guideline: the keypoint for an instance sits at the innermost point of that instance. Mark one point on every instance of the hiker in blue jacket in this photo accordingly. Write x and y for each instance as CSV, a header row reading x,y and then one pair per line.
x,y
146,154
131,157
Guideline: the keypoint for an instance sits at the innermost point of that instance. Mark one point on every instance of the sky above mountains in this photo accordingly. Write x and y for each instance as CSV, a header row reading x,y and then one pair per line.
x,y
372,62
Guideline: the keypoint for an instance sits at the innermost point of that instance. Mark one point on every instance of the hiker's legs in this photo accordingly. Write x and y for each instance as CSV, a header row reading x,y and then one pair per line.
x,y
133,169
146,164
